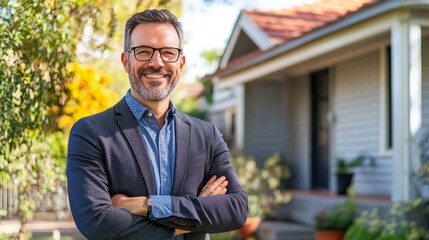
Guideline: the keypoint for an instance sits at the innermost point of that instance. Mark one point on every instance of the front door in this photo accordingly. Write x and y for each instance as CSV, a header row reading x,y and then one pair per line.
x,y
320,130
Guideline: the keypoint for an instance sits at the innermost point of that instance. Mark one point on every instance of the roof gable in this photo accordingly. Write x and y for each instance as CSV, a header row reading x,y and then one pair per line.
x,y
245,38
276,27
286,24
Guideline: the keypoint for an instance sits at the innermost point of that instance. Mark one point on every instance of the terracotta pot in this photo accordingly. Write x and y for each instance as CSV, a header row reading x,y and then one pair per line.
x,y
249,228
330,234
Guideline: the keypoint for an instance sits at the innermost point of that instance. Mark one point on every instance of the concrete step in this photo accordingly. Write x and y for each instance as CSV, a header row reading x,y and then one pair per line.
x,y
281,230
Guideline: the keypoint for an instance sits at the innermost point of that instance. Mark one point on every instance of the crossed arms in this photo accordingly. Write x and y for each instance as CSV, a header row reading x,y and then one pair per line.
x,y
139,205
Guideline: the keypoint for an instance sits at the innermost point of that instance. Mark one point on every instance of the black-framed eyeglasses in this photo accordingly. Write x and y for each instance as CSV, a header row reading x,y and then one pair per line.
x,y
145,53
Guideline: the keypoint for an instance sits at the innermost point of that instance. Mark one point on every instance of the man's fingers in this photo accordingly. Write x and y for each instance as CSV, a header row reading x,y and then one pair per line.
x,y
219,190
222,192
215,186
208,184
216,183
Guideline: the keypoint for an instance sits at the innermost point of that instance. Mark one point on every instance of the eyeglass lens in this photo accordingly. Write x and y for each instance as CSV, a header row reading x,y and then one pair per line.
x,y
146,53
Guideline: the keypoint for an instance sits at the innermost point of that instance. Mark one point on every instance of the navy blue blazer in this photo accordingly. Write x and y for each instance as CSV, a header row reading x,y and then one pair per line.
x,y
107,155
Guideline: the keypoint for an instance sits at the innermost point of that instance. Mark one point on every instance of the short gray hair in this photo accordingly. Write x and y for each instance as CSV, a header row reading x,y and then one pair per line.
x,y
151,16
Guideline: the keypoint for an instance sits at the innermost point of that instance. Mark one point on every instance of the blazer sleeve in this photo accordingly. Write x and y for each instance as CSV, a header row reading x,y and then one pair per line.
x,y
88,187
212,214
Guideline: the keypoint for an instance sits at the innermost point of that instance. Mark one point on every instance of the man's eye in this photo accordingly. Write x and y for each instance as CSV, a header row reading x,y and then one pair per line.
x,y
143,51
169,53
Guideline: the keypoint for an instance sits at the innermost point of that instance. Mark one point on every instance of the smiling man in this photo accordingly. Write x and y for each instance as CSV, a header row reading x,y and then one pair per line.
x,y
142,169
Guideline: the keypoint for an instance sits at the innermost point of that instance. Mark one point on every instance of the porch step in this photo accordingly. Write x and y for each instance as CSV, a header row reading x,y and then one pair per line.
x,y
276,230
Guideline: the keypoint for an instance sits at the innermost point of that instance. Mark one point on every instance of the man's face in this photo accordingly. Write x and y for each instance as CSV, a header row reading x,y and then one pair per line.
x,y
154,79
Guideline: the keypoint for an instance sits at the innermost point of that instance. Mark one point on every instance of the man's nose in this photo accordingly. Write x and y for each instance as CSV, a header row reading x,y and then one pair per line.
x,y
156,60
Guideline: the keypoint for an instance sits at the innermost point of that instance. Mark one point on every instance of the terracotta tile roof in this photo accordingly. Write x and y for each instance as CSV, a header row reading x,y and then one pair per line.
x,y
286,24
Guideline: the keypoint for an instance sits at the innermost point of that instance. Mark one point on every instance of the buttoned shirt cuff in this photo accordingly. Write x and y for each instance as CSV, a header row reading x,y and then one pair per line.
x,y
161,207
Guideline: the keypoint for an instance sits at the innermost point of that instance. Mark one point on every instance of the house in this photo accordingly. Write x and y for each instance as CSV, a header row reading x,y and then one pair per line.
x,y
325,79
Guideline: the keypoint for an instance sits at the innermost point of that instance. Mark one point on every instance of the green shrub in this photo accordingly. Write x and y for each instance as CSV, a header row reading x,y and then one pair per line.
x,y
404,221
340,217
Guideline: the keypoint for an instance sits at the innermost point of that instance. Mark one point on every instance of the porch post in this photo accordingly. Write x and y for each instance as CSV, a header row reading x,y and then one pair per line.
x,y
416,108
400,108
240,116
406,103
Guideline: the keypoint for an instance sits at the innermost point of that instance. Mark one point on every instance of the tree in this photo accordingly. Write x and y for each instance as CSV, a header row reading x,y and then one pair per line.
x,y
38,40
212,58
87,93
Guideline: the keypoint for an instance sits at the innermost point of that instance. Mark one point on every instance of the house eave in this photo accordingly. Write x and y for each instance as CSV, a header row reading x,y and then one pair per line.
x,y
363,15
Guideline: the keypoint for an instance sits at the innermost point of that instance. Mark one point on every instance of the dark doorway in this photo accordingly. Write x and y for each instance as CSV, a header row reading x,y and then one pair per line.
x,y
320,130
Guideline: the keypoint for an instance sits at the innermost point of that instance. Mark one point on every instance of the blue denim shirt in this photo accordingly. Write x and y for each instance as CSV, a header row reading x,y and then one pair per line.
x,y
161,145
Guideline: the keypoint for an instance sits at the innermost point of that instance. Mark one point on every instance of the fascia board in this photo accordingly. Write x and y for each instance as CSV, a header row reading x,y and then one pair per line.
x,y
311,50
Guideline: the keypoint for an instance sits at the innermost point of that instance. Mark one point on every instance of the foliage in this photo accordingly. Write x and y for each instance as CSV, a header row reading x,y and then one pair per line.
x,y
344,165
3,213
190,106
35,171
340,217
38,40
122,10
423,171
57,144
262,185
405,221
87,93
212,58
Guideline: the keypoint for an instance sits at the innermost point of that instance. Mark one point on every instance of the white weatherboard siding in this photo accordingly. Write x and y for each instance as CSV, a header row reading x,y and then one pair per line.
x,y
264,130
357,126
298,128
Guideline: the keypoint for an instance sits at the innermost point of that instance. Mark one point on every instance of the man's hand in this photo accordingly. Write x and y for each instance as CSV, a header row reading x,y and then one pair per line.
x,y
137,205
214,187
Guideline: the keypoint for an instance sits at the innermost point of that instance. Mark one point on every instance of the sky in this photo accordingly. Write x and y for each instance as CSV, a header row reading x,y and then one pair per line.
x,y
209,27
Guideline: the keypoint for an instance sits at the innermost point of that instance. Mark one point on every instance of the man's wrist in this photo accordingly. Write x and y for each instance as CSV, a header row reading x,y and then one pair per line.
x,y
149,206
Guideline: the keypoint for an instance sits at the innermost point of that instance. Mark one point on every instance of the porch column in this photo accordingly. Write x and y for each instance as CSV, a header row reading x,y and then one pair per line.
x,y
406,103
240,116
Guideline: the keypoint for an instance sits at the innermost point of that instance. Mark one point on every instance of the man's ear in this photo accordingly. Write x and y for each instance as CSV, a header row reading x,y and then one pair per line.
x,y
124,60
182,62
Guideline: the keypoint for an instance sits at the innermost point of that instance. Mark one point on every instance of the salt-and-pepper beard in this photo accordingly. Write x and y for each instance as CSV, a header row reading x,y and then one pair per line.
x,y
152,93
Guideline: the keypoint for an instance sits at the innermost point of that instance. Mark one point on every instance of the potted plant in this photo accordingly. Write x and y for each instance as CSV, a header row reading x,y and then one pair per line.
x,y
332,224
344,173
262,185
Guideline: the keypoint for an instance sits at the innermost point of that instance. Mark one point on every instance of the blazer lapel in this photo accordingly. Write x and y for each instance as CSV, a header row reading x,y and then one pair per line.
x,y
183,138
130,128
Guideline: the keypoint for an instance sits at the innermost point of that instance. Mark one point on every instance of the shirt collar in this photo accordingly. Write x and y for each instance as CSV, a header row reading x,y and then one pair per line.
x,y
139,109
